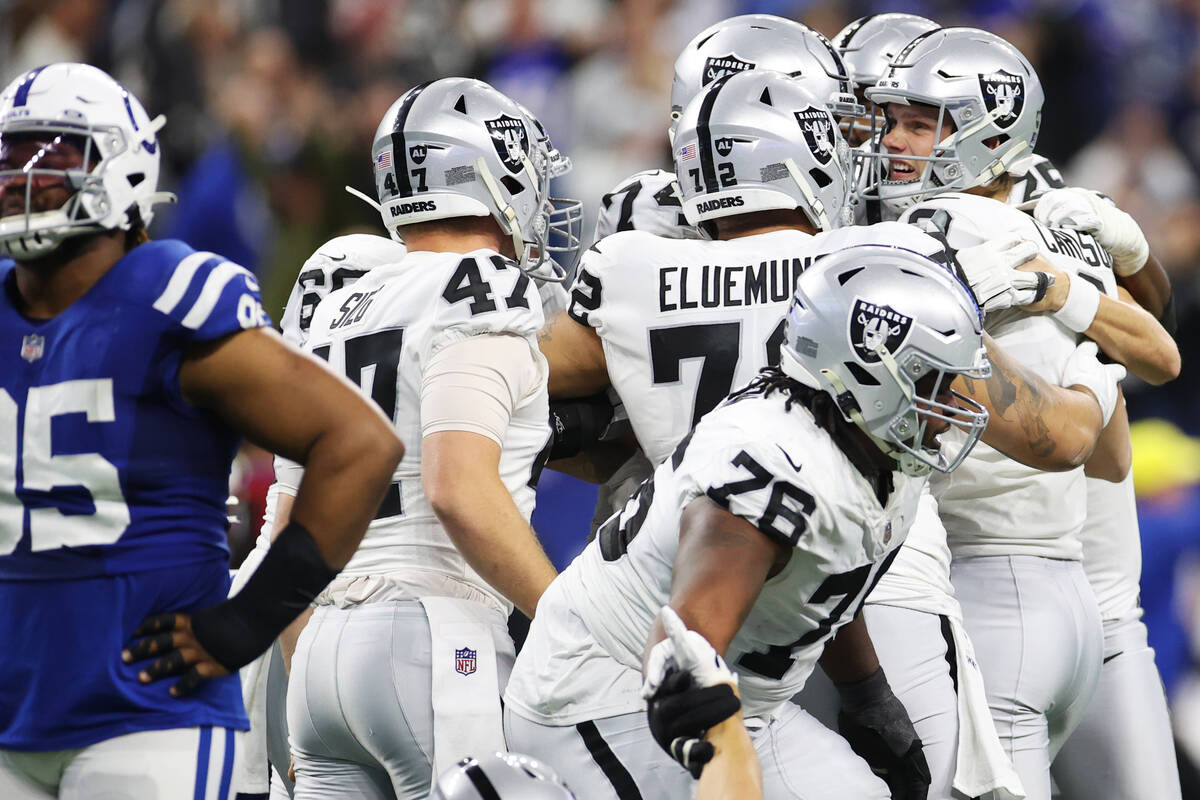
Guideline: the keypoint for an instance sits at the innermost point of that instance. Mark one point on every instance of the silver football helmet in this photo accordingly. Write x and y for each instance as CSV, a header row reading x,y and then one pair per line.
x,y
868,45
73,125
500,776
882,329
982,84
563,216
762,41
756,141
456,147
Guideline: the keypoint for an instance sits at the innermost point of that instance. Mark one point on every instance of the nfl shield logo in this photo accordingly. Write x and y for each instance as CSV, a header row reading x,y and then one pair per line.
x,y
32,347
464,661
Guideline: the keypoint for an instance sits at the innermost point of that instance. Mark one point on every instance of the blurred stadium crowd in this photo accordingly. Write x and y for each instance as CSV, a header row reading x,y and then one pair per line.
x,y
272,107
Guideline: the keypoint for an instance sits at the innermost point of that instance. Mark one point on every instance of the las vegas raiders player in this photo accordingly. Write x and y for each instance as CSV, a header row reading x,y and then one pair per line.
x,y
132,366
338,263
770,521
446,341
650,201
635,291
947,131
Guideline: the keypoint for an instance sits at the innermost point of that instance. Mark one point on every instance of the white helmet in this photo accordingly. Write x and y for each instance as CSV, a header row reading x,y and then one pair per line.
x,y
456,147
866,325
868,45
756,141
762,41
985,87
500,776
63,108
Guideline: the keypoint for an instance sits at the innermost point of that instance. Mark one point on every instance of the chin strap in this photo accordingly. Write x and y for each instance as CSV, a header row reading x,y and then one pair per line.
x,y
818,208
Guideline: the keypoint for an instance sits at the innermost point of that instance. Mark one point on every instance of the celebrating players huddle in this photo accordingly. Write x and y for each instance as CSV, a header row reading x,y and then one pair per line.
x,y
840,374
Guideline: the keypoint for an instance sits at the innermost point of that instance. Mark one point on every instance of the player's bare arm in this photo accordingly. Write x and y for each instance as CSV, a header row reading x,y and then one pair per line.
x,y
1045,426
1125,331
1150,287
461,478
575,355
291,404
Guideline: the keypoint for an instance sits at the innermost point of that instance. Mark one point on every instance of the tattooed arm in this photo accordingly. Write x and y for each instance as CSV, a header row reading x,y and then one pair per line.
x,y
1032,421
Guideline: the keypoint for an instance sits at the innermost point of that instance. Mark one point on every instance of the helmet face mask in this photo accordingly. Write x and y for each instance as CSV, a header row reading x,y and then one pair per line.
x,y
93,140
760,141
884,330
762,42
456,147
978,82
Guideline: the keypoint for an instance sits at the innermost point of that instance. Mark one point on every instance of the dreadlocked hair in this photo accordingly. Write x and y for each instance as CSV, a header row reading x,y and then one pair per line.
x,y
773,379
137,233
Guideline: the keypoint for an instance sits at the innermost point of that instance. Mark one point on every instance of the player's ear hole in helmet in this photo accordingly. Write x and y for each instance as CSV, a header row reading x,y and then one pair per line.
x,y
78,155
884,330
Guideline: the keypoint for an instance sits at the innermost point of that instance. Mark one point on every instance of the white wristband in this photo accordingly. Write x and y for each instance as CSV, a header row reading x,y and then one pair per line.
x,y
1079,309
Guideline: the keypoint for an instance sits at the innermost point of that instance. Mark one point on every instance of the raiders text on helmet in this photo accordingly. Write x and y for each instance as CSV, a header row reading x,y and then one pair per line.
x,y
866,325
76,107
757,141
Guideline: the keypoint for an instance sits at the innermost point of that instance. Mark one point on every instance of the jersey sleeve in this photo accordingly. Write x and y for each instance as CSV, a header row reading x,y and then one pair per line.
x,y
484,295
749,478
645,201
207,297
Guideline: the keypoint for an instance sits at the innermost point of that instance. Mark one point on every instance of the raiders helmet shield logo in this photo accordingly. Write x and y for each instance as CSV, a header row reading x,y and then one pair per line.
x,y
874,328
510,139
1003,93
720,66
417,153
818,132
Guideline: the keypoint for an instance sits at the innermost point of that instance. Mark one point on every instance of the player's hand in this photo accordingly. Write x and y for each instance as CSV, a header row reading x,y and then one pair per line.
x,y
1083,368
1090,212
688,690
170,638
990,269
878,728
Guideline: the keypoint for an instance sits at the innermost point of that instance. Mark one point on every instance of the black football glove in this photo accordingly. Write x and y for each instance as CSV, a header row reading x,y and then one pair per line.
x,y
681,713
878,728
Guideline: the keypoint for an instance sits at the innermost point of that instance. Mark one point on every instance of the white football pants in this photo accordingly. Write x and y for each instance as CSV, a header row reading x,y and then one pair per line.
x,y
175,764
1123,747
359,708
616,758
1039,641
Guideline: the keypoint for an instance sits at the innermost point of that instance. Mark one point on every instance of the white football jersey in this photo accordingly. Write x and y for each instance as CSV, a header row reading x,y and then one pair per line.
x,y
993,505
380,333
682,323
647,201
337,263
772,466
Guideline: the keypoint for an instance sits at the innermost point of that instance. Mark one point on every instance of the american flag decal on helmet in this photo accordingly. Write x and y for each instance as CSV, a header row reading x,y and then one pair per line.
x,y
687,153
384,160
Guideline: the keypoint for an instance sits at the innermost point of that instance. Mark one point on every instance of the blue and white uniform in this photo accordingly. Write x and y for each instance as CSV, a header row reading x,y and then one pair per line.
x,y
112,501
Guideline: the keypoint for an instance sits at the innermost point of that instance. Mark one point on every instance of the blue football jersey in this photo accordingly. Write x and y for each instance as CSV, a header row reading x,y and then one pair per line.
x,y
112,495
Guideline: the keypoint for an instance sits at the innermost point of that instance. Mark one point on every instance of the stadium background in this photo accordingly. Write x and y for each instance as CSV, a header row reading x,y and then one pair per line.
x,y
272,107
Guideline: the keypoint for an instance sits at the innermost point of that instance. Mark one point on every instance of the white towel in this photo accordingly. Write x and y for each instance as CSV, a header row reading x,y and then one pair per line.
x,y
251,774
982,764
466,686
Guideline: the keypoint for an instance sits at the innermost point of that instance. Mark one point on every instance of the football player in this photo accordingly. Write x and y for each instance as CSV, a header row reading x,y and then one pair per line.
x,y
962,106
645,307
763,529
132,367
445,341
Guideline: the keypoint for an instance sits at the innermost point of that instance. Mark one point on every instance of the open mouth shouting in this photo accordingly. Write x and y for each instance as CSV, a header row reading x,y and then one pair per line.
x,y
901,171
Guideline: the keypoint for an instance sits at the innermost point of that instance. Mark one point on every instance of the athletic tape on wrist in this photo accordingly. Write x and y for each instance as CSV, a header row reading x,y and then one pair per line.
x,y
1079,309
